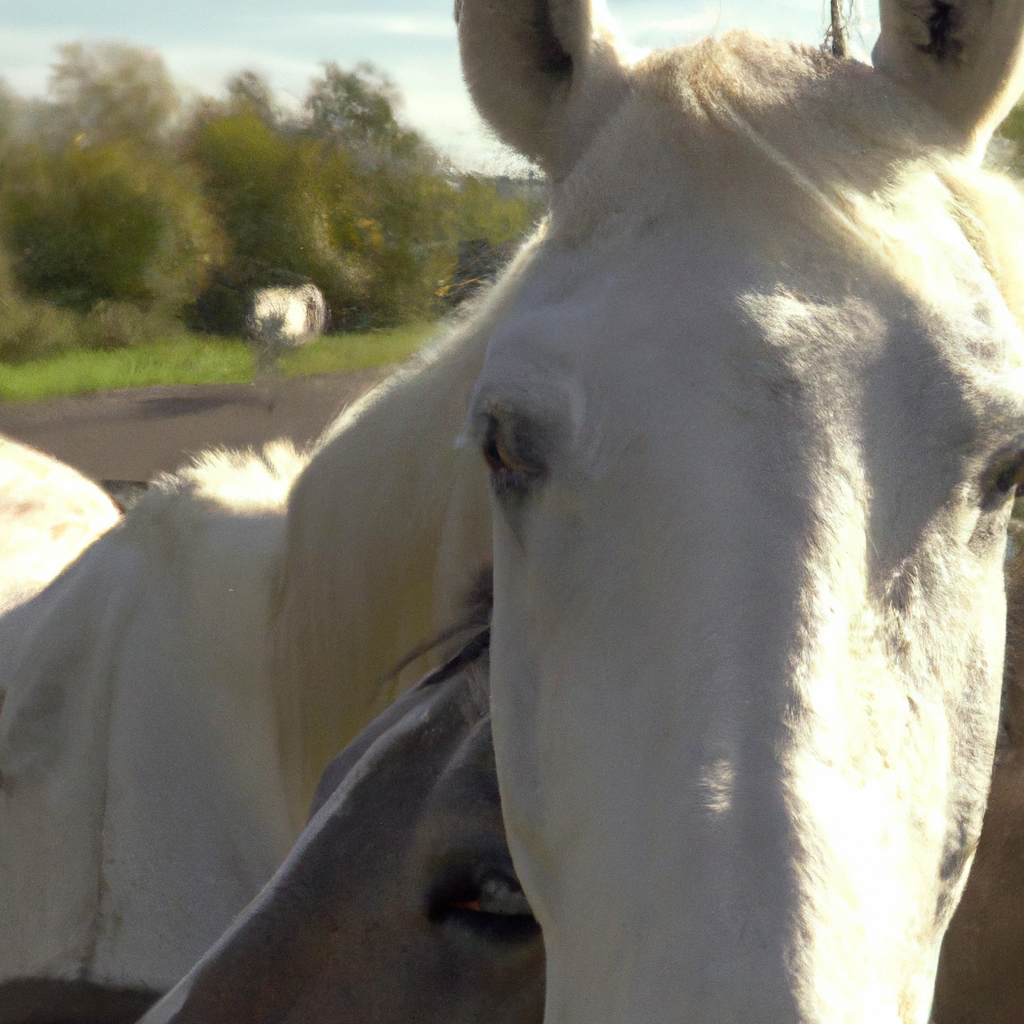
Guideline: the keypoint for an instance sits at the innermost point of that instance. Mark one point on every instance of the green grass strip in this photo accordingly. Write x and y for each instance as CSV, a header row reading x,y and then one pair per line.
x,y
357,351
200,359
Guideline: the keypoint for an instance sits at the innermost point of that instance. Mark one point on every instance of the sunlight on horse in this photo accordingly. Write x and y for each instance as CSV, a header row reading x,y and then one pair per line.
x,y
48,515
439,895
141,797
754,421
752,405
399,901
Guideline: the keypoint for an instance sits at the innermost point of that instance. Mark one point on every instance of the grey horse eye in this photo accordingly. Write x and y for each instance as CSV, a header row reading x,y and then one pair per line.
x,y
502,895
486,903
512,464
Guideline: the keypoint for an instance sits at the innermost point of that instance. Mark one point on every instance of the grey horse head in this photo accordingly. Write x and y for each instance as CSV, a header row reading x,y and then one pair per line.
x,y
399,901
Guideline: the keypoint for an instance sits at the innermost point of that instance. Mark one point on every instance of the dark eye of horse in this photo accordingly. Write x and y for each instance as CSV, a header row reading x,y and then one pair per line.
x,y
509,471
1005,477
492,907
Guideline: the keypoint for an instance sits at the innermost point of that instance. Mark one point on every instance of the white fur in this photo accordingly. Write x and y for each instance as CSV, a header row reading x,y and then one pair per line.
x,y
173,697
748,612
48,515
141,794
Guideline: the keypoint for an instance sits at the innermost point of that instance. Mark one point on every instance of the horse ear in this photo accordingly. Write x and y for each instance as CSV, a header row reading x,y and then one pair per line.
x,y
543,73
964,57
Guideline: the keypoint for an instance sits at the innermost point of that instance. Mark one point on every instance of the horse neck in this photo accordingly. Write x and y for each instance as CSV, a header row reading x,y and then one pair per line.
x,y
387,531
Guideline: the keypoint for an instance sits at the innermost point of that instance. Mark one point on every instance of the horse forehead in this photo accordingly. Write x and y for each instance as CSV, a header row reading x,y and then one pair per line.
x,y
589,322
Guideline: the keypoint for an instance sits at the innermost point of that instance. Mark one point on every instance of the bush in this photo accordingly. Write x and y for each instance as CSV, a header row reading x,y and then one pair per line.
x,y
112,92
280,198
103,223
34,330
117,218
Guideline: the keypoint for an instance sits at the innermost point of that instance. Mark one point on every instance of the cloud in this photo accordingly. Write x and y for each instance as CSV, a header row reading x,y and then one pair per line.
x,y
380,24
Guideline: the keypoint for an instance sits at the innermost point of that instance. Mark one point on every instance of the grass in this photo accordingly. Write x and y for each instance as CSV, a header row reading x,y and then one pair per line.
x,y
199,359
357,351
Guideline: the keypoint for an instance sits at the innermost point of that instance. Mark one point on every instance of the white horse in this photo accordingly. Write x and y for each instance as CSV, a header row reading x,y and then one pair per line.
x,y
751,408
754,421
140,800
48,515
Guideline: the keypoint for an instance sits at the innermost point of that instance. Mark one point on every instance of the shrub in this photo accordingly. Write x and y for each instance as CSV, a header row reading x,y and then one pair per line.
x,y
112,92
105,223
289,208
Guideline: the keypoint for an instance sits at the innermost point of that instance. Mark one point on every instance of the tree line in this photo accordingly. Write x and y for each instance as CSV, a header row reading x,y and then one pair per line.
x,y
124,207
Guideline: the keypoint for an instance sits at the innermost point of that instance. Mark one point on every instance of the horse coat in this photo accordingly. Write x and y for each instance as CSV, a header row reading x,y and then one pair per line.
x,y
425,768
141,802
48,514
171,699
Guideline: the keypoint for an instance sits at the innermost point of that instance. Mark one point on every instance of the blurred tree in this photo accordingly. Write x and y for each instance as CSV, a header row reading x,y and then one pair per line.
x,y
355,110
283,201
8,112
113,92
250,91
112,208
103,223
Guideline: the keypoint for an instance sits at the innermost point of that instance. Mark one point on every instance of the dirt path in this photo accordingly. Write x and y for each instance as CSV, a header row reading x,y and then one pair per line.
x,y
135,434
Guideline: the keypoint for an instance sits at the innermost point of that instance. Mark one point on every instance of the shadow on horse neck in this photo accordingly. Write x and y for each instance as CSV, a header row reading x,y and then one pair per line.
x,y
980,979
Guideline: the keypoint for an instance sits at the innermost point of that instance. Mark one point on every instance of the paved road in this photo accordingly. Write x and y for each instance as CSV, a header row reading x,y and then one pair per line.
x,y
135,434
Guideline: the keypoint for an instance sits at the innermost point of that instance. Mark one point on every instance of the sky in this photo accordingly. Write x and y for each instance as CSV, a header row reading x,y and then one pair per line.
x,y
413,41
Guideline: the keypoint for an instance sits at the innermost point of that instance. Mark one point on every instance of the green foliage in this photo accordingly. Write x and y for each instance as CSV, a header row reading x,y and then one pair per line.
x,y
358,350
175,358
249,91
32,330
277,197
118,216
499,213
178,357
104,223
8,109
355,110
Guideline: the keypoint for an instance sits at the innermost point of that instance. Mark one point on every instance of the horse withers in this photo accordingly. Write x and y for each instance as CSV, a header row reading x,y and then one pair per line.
x,y
399,901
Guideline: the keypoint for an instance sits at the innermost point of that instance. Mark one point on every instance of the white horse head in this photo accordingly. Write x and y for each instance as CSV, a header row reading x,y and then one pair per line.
x,y
754,417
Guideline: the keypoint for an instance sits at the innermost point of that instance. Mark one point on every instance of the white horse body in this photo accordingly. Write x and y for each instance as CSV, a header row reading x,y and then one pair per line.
x,y
48,515
141,799
157,754
754,420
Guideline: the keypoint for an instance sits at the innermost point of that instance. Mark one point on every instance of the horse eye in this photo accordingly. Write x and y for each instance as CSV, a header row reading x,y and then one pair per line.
x,y
510,470
492,907
1006,475
502,895
494,447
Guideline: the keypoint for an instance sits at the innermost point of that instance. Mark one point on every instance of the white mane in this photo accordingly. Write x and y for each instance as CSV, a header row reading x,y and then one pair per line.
x,y
388,529
824,149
